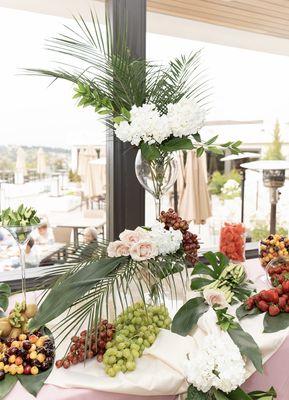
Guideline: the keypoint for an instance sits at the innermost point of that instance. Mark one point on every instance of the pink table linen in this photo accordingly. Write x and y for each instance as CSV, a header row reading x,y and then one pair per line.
x,y
50,392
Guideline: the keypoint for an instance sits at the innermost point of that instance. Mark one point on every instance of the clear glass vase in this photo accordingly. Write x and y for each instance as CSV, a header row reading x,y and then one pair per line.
x,y
157,176
21,235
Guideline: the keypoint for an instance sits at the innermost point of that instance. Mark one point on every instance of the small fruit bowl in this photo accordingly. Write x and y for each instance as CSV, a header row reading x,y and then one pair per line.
x,y
272,247
277,271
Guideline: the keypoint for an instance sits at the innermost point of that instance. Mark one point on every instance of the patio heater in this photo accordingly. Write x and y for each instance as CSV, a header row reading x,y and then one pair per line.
x,y
273,178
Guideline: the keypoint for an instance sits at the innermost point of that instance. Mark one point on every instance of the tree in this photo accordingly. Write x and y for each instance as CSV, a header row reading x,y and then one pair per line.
x,y
274,151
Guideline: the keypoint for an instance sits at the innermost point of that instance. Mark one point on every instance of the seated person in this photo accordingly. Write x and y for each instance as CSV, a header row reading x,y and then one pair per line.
x,y
90,235
43,234
32,257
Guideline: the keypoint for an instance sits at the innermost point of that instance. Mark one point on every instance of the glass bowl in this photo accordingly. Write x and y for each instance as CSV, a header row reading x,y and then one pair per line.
x,y
273,247
277,271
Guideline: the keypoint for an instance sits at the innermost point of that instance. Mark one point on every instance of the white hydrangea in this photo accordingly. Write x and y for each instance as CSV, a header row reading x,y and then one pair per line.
x,y
231,187
146,125
185,117
167,241
218,363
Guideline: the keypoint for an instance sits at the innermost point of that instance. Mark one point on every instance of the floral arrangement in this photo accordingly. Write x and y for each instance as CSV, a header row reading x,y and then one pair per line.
x,y
22,217
159,108
231,189
143,244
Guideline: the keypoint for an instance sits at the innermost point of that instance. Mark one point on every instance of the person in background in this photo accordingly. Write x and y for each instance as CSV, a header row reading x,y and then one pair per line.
x,y
43,234
90,235
32,257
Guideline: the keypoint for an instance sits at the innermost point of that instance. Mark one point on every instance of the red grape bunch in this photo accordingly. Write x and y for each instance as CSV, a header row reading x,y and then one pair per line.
x,y
190,240
85,347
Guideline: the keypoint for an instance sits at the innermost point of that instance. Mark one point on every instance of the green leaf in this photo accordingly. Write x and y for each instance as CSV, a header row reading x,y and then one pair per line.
x,y
4,301
238,394
118,119
62,296
175,144
198,283
247,346
200,151
275,324
188,315
7,385
33,383
197,137
203,269
215,150
219,395
242,312
195,394
212,140
269,395
5,289
149,152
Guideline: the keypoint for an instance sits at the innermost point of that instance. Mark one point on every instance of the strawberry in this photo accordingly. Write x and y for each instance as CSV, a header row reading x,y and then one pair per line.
x,y
273,296
282,302
263,306
279,290
285,286
250,303
286,308
274,310
265,295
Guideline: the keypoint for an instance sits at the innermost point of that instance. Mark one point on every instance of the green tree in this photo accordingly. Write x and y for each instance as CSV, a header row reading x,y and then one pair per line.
x,y
274,151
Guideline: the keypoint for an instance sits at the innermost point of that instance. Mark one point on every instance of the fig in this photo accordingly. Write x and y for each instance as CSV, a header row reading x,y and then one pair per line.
x,y
5,327
31,310
15,332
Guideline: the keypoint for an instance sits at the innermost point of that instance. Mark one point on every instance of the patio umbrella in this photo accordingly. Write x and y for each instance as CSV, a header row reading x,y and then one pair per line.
x,y
194,199
41,162
96,178
85,156
20,161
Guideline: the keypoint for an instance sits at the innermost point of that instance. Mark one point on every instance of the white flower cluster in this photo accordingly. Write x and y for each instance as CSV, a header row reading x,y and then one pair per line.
x,y
167,241
218,364
142,244
231,187
146,124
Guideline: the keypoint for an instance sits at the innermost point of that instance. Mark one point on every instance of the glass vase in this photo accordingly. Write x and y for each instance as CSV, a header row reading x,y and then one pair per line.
x,y
157,176
233,241
21,235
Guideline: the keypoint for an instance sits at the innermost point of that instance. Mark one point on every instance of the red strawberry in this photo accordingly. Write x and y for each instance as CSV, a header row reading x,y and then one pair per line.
x,y
265,295
274,310
282,302
279,290
285,286
286,308
250,303
272,296
263,306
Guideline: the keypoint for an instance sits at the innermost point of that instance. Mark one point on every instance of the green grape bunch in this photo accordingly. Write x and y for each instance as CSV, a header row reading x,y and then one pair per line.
x,y
136,329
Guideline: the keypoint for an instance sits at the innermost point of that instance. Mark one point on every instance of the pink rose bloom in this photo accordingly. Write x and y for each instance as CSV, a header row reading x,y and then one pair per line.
x,y
215,297
117,249
143,250
130,237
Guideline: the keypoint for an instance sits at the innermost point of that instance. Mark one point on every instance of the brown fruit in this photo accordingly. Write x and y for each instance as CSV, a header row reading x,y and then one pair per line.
x,y
31,310
5,327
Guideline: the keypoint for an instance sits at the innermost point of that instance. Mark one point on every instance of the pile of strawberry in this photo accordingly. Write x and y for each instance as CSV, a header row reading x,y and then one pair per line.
x,y
273,301
279,273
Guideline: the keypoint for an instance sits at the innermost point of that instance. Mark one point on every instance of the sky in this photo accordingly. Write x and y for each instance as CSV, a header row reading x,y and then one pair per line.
x,y
246,84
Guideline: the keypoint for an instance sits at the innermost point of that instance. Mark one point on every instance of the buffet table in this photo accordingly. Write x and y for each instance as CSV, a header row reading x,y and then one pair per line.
x,y
271,376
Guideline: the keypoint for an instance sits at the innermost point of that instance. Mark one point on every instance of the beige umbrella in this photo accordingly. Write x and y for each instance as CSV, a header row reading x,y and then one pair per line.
x,y
41,162
20,161
194,199
96,178
85,156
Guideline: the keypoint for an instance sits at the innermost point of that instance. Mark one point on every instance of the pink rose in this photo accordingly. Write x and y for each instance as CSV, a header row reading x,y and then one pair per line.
x,y
143,250
130,237
215,297
117,249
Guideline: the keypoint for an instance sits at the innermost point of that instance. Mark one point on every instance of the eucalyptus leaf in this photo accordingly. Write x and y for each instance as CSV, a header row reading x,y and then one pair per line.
x,y
62,296
7,385
275,324
247,346
188,315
